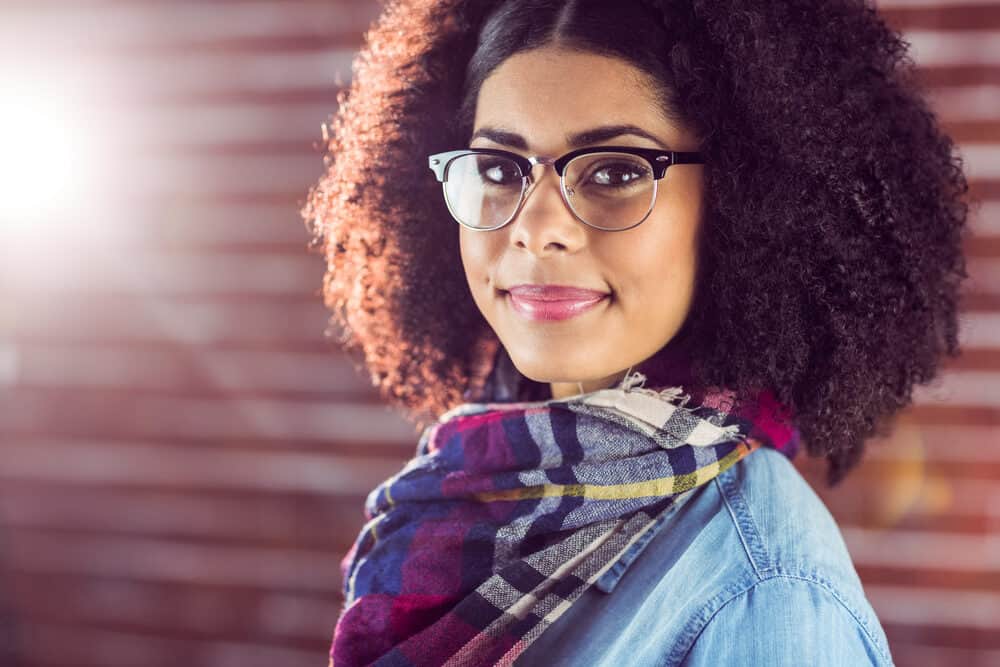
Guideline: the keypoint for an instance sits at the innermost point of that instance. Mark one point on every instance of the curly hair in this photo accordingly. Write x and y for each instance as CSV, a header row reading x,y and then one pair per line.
x,y
831,258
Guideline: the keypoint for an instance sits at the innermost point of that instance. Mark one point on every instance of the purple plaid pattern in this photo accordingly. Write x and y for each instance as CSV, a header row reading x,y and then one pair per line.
x,y
509,511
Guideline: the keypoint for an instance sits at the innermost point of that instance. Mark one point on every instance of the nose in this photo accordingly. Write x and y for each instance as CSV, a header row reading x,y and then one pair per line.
x,y
544,224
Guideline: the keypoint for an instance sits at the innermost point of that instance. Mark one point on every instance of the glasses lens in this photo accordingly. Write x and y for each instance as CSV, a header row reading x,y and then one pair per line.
x,y
483,191
610,190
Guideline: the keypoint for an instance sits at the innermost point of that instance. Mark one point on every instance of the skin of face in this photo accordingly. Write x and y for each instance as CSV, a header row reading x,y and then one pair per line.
x,y
544,95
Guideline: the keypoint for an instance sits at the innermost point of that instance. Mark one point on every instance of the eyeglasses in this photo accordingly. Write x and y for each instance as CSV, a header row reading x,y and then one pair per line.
x,y
612,188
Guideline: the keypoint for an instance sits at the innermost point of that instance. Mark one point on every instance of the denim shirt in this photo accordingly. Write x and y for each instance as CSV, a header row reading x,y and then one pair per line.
x,y
747,569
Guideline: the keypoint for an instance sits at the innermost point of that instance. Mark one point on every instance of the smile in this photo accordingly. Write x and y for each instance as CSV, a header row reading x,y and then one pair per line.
x,y
553,303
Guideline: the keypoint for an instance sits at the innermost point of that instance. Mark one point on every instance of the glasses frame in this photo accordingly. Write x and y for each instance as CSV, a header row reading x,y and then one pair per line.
x,y
659,160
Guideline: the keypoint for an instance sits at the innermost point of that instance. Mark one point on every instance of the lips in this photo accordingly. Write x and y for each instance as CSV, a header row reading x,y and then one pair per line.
x,y
553,302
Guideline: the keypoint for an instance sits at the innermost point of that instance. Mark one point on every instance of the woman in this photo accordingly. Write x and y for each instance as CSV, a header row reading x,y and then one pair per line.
x,y
691,236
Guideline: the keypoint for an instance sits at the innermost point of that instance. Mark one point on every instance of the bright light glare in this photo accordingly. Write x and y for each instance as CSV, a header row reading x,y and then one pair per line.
x,y
48,157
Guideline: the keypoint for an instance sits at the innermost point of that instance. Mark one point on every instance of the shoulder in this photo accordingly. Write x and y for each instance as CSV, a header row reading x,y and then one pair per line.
x,y
787,619
793,595
750,569
782,525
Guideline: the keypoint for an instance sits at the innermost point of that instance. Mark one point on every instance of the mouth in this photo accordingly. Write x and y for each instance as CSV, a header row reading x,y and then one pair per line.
x,y
552,302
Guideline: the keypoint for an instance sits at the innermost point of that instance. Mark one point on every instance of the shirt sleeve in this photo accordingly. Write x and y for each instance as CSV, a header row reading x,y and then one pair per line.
x,y
789,621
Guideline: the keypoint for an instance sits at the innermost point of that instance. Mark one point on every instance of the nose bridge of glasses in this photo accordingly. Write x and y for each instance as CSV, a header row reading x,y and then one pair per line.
x,y
533,182
535,161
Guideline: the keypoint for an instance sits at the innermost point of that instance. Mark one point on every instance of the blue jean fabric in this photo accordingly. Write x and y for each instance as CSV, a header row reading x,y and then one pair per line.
x,y
748,569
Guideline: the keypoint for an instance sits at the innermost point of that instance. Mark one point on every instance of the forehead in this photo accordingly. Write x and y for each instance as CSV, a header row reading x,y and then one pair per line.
x,y
547,93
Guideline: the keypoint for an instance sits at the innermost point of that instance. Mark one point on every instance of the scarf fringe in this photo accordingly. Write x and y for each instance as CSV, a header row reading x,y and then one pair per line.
x,y
634,382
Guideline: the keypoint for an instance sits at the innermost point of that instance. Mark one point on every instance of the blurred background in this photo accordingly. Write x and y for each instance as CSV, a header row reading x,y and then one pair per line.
x,y
184,456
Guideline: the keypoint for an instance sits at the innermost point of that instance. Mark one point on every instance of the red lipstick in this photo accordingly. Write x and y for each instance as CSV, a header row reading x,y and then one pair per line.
x,y
553,302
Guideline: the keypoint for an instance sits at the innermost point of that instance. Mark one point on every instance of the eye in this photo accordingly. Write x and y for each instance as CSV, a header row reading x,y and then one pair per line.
x,y
618,174
499,171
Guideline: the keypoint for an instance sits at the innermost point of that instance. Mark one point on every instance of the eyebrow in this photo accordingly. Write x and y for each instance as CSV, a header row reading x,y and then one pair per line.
x,y
592,136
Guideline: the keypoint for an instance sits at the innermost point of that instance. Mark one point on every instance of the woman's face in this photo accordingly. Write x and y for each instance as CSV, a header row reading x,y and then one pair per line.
x,y
539,99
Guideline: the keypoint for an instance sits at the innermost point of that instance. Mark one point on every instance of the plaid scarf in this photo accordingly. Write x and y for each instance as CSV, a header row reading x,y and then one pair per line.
x,y
510,511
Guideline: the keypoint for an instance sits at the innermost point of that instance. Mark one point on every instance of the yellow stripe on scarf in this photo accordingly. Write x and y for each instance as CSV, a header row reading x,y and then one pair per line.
x,y
653,487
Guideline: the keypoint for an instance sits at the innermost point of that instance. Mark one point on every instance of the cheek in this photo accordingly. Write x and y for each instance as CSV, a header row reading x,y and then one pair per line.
x,y
471,251
478,257
463,249
657,267
659,289
675,267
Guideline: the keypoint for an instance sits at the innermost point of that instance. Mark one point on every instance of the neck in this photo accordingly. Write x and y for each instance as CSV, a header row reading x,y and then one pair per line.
x,y
566,389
